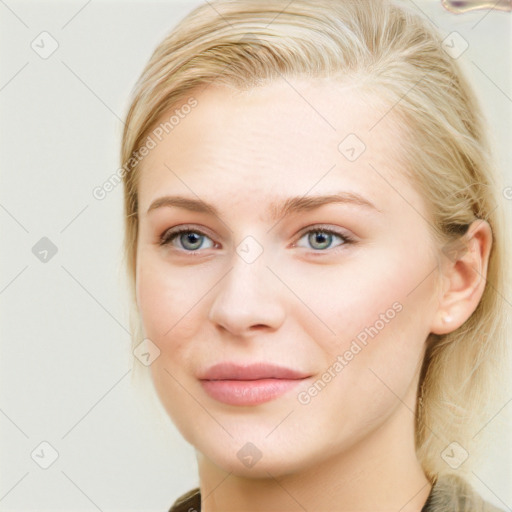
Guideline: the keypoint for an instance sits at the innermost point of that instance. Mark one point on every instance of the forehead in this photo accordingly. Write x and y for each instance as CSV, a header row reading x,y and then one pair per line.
x,y
289,135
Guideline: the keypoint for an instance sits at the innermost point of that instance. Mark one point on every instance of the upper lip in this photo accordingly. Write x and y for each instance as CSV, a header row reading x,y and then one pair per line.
x,y
232,371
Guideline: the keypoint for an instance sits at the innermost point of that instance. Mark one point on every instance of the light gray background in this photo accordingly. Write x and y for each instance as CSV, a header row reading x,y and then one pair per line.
x,y
65,364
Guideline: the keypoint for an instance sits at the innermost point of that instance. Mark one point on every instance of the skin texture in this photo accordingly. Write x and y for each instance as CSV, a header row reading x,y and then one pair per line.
x,y
297,305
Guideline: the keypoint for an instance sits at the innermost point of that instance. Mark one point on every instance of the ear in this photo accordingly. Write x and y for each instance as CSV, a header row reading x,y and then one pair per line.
x,y
464,272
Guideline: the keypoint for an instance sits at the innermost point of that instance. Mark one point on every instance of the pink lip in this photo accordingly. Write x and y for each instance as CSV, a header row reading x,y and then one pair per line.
x,y
248,385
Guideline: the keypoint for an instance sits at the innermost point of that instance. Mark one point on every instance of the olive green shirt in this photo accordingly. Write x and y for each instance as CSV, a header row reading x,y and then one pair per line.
x,y
449,493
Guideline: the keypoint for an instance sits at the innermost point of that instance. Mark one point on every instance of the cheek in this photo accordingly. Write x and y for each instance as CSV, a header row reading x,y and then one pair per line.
x,y
381,291
169,302
379,315
377,350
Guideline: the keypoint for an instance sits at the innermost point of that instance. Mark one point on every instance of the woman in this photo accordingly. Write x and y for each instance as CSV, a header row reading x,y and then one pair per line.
x,y
316,256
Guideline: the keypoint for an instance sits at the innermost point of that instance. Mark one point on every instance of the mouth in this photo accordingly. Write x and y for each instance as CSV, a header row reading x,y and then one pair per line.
x,y
253,384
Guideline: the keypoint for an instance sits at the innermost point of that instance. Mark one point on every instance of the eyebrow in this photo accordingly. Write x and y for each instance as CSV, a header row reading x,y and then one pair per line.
x,y
277,210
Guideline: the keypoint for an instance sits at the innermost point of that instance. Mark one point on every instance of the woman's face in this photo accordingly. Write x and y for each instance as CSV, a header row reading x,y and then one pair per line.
x,y
255,281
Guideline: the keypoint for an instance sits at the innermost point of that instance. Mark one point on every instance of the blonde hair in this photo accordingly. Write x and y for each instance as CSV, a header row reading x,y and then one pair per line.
x,y
392,54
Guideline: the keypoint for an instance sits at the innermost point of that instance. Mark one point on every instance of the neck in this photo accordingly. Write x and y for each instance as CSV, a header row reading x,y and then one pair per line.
x,y
380,472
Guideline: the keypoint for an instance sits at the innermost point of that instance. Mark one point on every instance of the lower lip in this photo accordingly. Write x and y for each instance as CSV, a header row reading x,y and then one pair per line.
x,y
248,392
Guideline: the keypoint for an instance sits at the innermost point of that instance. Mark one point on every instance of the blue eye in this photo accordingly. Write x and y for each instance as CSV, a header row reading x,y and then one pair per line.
x,y
321,239
189,240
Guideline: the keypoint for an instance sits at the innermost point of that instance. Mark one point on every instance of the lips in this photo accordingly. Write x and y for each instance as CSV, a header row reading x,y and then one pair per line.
x,y
247,385
255,371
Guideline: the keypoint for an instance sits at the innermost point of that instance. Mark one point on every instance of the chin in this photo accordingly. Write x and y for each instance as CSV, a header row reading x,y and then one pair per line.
x,y
258,459
263,468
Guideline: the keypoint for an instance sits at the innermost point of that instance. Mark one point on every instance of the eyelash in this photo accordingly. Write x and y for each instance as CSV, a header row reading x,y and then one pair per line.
x,y
170,235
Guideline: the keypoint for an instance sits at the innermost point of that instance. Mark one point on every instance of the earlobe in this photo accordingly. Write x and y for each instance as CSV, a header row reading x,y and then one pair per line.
x,y
447,319
444,323
464,270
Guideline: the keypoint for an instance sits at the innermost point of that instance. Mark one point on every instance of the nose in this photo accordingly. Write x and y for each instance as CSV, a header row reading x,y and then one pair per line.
x,y
247,299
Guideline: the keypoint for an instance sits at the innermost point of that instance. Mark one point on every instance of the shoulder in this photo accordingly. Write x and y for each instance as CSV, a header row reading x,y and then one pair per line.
x,y
453,493
450,493
188,502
